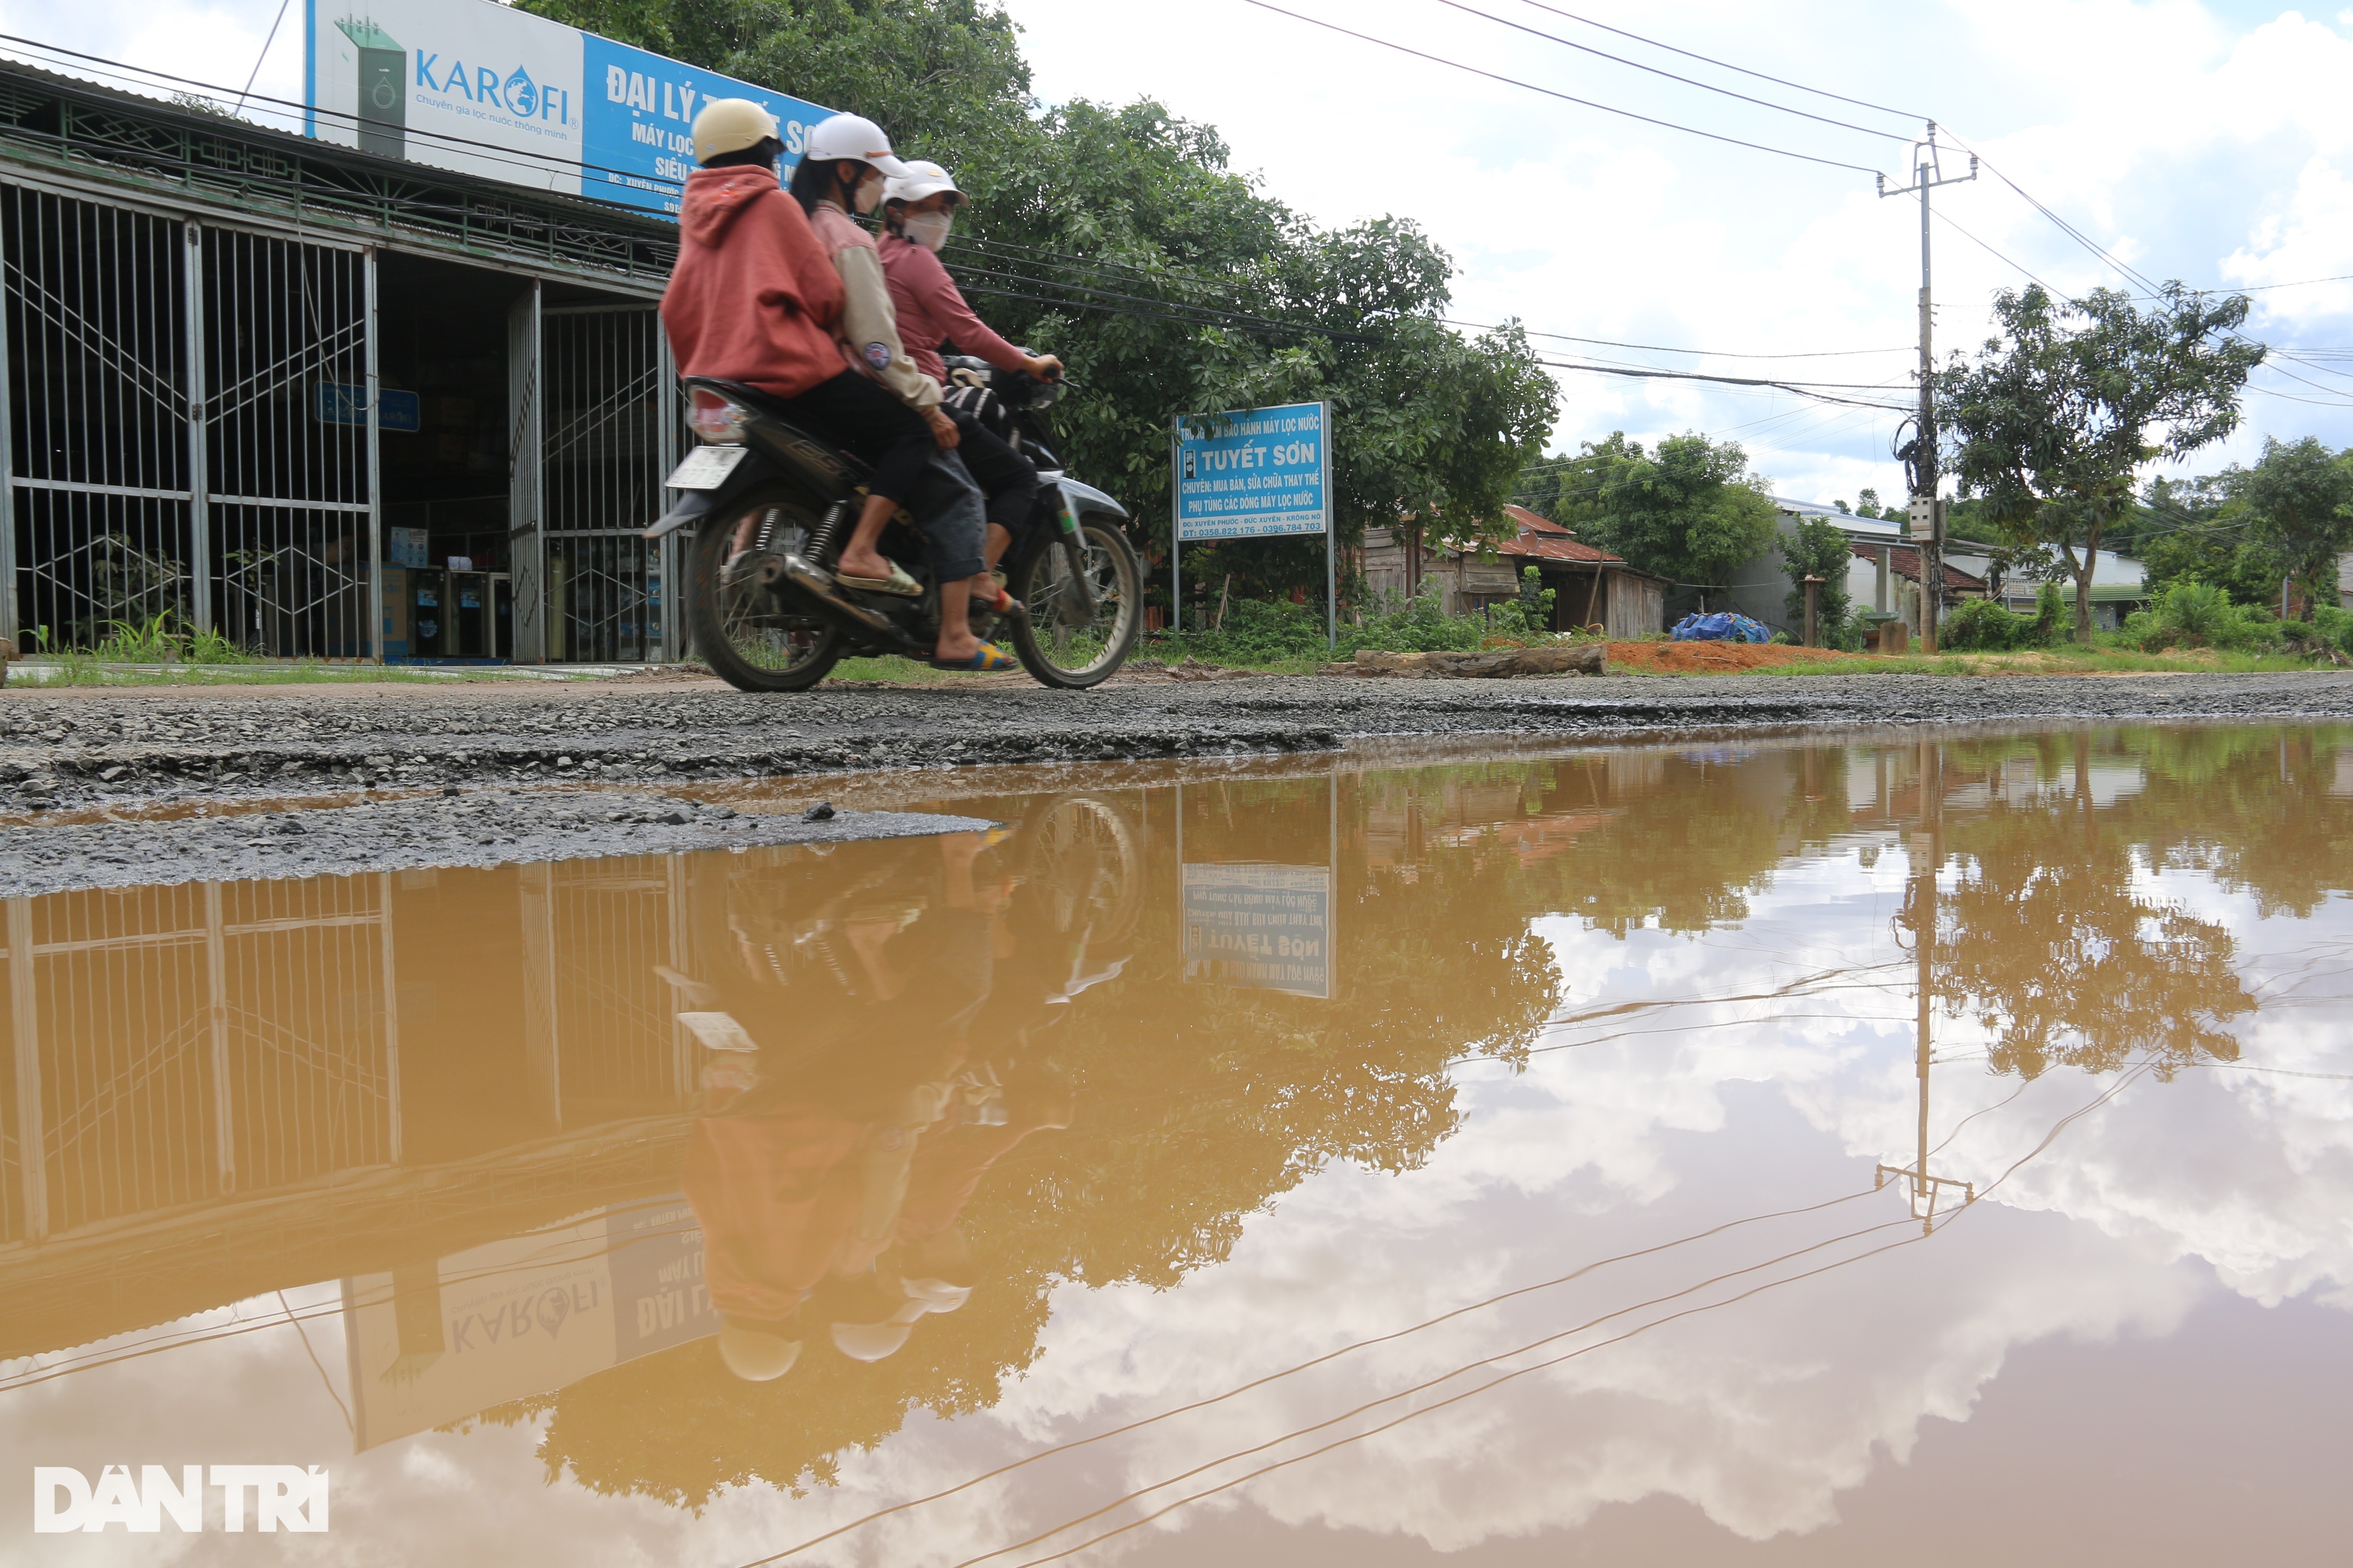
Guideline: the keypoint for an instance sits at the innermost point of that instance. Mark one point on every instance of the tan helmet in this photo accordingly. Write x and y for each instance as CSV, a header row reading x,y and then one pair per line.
x,y
753,1354
730,125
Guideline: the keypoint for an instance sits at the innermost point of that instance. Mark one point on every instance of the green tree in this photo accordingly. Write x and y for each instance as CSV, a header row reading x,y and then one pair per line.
x,y
2062,408
1689,512
2300,496
1818,549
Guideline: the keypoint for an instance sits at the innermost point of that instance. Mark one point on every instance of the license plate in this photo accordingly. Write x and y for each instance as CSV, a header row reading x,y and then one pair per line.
x,y
706,467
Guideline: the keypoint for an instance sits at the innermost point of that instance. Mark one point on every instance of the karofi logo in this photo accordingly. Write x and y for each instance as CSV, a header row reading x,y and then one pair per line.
x,y
481,86
285,1496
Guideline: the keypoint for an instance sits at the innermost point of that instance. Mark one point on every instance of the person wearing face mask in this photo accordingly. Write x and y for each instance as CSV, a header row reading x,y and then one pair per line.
x,y
918,214
844,162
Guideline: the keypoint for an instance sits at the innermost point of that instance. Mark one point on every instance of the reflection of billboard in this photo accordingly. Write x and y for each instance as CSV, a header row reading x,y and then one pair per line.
x,y
1267,928
481,88
523,1315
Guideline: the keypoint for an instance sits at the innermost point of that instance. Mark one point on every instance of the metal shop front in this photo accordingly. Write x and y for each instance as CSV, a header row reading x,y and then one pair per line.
x,y
296,445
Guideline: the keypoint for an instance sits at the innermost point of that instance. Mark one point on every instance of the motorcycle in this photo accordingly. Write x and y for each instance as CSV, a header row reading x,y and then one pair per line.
x,y
777,620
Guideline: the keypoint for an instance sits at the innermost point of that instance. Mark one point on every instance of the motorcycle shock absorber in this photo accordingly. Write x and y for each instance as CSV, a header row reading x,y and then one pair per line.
x,y
826,533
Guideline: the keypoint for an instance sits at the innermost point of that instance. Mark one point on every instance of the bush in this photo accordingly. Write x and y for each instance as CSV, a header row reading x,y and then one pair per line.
x,y
1256,631
2187,613
1981,625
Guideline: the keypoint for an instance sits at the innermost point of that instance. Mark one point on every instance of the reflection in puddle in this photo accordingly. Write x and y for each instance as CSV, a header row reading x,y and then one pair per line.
x,y
1243,1160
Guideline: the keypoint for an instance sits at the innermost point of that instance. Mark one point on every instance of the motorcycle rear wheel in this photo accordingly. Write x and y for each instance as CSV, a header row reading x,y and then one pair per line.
x,y
752,638
1063,641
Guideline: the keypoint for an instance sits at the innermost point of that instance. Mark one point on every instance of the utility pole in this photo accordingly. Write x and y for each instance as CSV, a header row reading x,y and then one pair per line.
x,y
1925,846
1927,512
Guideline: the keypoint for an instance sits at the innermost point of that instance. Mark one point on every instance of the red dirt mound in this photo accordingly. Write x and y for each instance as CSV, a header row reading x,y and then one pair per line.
x,y
1712,657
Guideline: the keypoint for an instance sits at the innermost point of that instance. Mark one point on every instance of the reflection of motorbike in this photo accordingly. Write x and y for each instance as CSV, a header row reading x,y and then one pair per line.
x,y
867,1033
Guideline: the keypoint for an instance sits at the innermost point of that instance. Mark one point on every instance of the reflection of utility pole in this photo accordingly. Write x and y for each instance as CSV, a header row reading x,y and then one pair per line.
x,y
1927,852
1929,524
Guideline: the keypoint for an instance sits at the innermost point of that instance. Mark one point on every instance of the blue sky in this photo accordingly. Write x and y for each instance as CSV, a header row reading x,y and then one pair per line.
x,y
2208,143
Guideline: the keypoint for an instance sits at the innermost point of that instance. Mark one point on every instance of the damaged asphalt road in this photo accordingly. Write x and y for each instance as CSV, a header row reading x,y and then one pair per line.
x,y
472,829
69,756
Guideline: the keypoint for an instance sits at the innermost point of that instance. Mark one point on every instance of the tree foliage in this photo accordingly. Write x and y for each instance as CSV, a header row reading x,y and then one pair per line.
x,y
1689,511
2300,497
2060,411
1122,239
1818,549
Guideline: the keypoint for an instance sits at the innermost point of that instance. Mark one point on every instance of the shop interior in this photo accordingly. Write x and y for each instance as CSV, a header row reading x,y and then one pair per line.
x,y
442,340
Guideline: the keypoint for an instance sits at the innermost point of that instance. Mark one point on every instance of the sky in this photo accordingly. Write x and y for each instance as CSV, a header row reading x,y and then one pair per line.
x,y
2212,144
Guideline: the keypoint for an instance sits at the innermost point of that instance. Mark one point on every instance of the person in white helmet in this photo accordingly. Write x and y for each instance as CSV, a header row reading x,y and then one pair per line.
x,y
757,296
844,162
918,211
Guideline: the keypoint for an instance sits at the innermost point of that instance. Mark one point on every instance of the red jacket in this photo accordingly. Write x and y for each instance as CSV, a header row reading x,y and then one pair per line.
x,y
752,297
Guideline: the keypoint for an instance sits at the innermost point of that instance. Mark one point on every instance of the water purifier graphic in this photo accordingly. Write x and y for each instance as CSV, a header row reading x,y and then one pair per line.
x,y
383,84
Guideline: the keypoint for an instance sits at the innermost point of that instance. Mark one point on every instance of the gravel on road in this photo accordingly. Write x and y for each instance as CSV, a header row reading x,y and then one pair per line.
x,y
74,758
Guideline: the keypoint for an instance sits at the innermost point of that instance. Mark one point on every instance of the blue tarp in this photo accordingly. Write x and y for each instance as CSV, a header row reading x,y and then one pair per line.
x,y
1719,628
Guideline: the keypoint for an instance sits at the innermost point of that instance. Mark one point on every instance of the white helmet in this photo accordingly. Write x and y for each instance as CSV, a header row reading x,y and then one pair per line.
x,y
730,125
924,178
851,136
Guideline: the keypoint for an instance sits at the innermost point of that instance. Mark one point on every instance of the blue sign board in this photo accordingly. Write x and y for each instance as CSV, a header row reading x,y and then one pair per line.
x,y
1254,473
341,403
1257,926
639,107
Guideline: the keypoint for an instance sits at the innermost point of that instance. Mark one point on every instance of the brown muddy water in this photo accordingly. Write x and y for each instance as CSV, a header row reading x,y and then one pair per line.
x,y
1725,1153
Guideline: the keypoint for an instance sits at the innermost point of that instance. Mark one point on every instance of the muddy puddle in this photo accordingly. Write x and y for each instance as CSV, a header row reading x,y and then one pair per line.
x,y
1725,1153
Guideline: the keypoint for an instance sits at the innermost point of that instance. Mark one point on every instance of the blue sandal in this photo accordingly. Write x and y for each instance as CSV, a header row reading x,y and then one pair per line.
x,y
986,659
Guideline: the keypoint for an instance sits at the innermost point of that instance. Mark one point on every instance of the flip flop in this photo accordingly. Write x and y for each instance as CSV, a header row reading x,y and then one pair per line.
x,y
898,583
986,659
1000,603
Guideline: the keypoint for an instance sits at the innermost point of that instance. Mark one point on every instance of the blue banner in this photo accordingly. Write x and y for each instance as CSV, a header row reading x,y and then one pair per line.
x,y
1253,473
639,110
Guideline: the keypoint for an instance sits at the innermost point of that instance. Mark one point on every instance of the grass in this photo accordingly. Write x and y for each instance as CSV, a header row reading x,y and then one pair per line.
x,y
896,669
2058,661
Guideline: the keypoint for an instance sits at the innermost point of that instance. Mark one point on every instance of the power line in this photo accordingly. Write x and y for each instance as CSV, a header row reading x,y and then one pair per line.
x,y
1708,353
1687,81
1548,92
1801,388
1726,65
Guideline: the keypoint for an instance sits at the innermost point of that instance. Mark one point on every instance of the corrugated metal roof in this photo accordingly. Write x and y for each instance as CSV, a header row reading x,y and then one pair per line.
x,y
1904,560
1541,539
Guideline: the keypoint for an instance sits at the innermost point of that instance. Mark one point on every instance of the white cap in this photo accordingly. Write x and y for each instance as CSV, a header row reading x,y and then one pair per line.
x,y
851,136
924,178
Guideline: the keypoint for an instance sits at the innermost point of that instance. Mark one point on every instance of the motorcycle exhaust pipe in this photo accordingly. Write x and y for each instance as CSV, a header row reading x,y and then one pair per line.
x,y
826,596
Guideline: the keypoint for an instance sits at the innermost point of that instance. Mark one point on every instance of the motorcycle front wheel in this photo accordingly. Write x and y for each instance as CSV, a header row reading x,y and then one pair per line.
x,y
1070,639
751,636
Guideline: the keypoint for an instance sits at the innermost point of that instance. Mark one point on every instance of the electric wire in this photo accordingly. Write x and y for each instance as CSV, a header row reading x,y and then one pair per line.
x,y
1710,353
1726,65
1549,92
1671,76
1295,1369
1489,1385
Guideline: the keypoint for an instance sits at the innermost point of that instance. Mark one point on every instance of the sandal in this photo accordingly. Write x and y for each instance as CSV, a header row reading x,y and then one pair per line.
x,y
898,583
986,659
999,602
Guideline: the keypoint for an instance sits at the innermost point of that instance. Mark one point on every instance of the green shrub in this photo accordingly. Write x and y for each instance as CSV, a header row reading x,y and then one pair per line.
x,y
1981,625
2187,613
1256,631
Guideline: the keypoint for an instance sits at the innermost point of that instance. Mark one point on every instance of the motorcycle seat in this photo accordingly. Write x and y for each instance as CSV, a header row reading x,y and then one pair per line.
x,y
853,466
